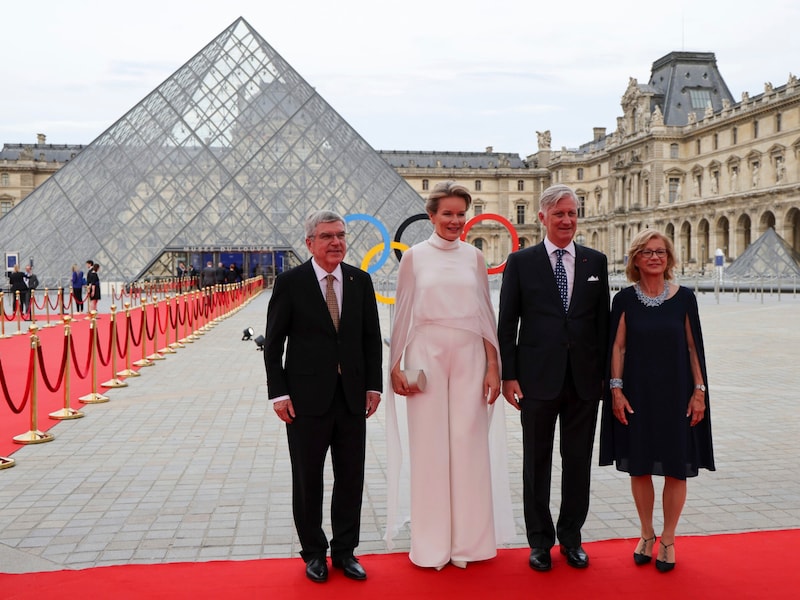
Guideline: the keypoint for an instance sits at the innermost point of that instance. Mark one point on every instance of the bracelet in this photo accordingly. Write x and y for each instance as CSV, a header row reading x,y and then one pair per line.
x,y
615,383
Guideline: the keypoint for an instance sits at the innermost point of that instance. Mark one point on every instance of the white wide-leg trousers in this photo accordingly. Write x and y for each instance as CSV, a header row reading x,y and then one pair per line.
x,y
451,491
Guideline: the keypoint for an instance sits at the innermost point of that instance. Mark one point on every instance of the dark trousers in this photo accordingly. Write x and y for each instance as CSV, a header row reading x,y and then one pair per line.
x,y
25,302
577,419
77,293
309,440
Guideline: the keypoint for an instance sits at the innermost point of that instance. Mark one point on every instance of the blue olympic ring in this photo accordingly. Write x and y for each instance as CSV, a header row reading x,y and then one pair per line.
x,y
387,241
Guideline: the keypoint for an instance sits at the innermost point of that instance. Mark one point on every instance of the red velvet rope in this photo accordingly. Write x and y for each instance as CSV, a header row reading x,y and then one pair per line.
x,y
134,341
147,331
28,379
122,349
173,322
88,358
61,369
162,330
100,350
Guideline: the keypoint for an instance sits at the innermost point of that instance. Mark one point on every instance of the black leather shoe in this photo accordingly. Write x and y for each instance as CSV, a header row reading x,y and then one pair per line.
x,y
540,559
351,568
317,570
576,557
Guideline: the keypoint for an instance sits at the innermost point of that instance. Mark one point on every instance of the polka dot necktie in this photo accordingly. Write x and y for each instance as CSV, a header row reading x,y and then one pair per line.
x,y
330,300
561,278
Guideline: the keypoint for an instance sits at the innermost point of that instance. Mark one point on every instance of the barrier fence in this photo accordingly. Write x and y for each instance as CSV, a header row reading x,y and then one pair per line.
x,y
167,310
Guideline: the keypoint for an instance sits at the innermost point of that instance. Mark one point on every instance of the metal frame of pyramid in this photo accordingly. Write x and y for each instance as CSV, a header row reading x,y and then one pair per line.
x,y
769,256
232,151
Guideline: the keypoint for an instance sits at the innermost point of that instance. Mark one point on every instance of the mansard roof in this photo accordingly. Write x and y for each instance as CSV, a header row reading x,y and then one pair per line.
x,y
452,160
40,152
684,83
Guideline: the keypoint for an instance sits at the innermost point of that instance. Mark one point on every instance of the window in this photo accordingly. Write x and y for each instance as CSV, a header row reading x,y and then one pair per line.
x,y
599,170
700,98
478,208
520,185
734,136
674,188
580,173
778,122
522,243
425,184
697,146
477,185
755,129
520,214
5,206
4,180
673,150
716,141
581,206
478,243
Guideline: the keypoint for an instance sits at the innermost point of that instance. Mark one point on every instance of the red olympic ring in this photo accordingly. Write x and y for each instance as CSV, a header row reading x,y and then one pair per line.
x,y
503,221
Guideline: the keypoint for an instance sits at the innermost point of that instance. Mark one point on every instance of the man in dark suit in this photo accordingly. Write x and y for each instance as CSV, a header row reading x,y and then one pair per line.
x,y
553,332
324,386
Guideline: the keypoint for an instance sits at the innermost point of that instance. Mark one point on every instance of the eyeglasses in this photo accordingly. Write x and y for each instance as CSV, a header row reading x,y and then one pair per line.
x,y
328,237
660,253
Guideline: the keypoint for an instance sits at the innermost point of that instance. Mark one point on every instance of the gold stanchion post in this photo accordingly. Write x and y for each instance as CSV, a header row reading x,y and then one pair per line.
x,y
114,382
144,361
155,355
47,322
94,397
3,316
6,463
67,412
128,372
168,348
18,311
34,436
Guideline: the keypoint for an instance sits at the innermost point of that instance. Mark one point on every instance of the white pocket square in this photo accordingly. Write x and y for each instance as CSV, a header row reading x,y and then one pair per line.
x,y
593,278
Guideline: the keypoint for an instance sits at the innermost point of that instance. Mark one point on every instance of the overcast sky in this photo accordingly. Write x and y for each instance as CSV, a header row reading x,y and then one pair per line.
x,y
407,75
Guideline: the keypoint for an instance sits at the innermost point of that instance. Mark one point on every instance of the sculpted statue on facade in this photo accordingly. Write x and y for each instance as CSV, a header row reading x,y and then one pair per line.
x,y
543,139
657,119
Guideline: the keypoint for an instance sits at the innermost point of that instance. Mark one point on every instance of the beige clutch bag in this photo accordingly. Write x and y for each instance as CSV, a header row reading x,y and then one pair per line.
x,y
416,380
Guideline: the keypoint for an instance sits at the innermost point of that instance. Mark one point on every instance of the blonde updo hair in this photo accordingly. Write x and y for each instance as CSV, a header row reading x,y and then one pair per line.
x,y
446,189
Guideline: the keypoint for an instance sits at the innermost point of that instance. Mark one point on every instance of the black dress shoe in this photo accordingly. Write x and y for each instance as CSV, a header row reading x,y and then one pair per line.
x,y
351,568
540,559
317,570
576,557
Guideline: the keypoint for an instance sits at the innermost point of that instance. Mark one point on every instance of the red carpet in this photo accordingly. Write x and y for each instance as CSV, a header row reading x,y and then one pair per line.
x,y
747,565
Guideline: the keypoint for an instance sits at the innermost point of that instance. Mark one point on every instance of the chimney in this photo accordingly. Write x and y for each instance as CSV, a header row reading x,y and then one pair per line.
x,y
599,133
489,149
41,138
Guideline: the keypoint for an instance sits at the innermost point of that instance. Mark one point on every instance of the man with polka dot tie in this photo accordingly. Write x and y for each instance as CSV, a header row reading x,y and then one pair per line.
x,y
553,335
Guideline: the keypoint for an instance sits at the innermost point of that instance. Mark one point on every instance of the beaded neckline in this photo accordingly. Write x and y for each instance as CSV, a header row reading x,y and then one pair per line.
x,y
647,300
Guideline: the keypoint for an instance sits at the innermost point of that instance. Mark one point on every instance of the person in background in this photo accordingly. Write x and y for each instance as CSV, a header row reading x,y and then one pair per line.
x,y
78,281
16,281
553,333
31,283
657,421
93,286
445,326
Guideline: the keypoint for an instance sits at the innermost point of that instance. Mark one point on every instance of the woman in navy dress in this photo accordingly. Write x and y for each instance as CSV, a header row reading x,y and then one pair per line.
x,y
657,420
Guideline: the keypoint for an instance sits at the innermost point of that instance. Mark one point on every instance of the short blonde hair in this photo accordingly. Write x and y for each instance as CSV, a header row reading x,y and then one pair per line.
x,y
638,243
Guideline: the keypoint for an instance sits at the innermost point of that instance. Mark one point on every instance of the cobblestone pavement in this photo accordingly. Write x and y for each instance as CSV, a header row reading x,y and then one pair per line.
x,y
189,463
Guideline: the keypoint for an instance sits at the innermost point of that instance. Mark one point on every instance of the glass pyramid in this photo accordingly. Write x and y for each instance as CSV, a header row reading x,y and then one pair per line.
x,y
770,256
231,152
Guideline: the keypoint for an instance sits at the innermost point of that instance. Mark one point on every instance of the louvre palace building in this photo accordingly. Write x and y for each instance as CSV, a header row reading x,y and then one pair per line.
x,y
224,159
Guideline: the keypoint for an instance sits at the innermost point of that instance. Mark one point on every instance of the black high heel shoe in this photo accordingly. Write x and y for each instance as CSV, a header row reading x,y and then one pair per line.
x,y
640,558
662,565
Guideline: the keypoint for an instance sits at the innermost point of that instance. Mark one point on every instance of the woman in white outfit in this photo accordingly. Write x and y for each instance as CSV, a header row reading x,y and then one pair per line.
x,y
445,326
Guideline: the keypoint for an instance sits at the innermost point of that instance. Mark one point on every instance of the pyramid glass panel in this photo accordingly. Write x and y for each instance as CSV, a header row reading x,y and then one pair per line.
x,y
232,151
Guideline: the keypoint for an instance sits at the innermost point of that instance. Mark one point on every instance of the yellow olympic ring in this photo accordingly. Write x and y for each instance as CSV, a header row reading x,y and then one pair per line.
x,y
372,252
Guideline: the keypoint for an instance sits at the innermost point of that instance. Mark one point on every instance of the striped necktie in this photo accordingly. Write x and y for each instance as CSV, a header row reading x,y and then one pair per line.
x,y
330,300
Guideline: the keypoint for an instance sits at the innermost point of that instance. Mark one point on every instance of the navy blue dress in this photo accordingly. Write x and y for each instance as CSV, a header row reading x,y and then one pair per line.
x,y
658,439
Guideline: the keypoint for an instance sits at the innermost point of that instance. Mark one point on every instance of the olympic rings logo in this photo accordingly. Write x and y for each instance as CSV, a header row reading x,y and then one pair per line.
x,y
387,244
